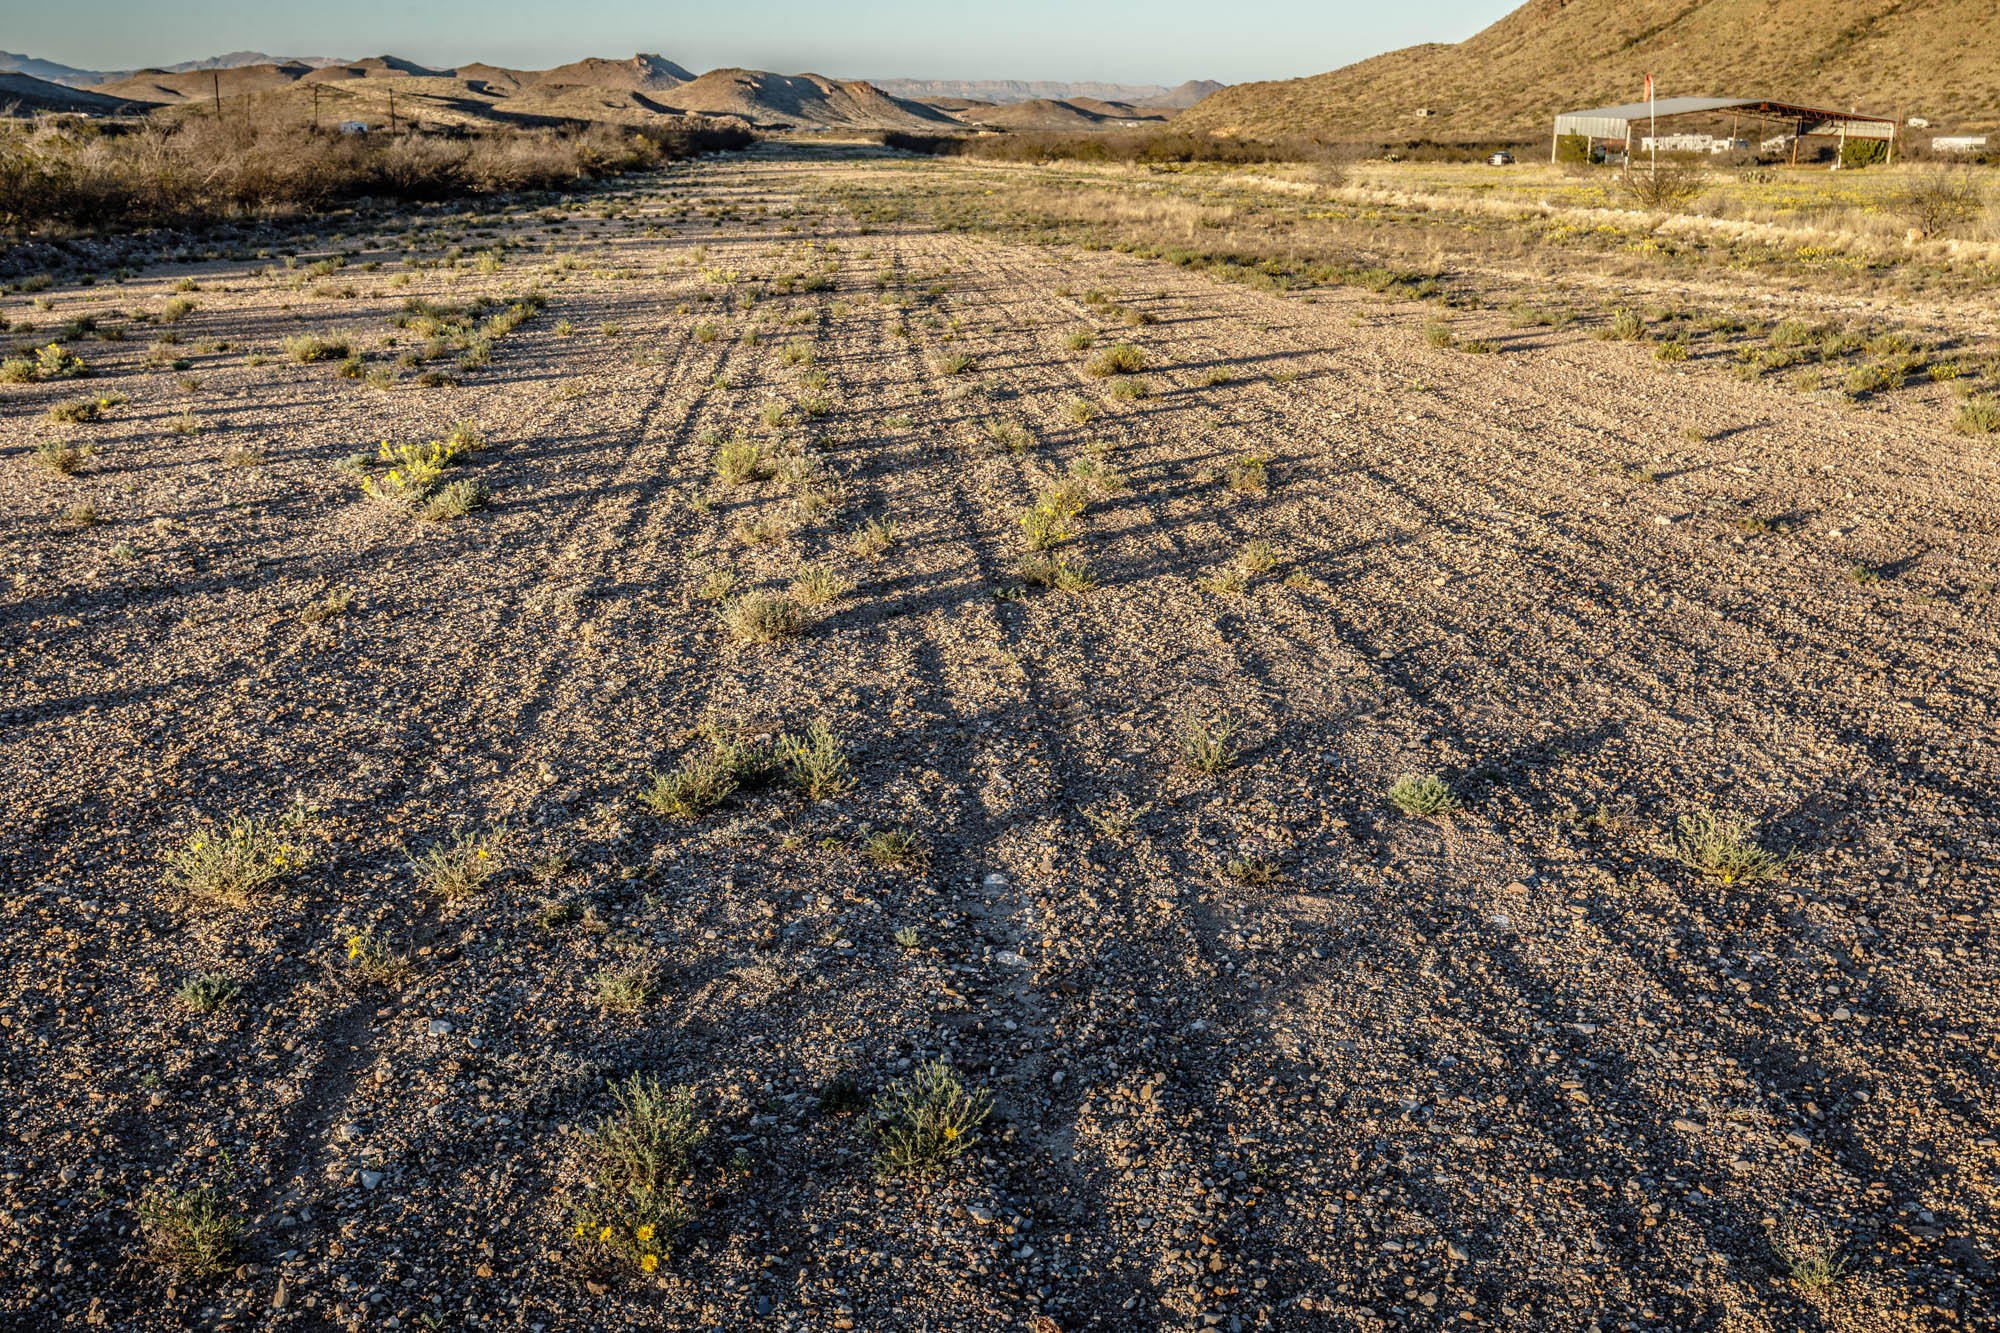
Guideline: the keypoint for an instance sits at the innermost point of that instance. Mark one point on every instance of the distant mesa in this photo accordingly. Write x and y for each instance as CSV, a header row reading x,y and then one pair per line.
x,y
1001,92
1079,113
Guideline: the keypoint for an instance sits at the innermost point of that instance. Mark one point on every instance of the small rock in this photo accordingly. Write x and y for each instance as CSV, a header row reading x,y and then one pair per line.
x,y
439,1027
370,1179
282,1296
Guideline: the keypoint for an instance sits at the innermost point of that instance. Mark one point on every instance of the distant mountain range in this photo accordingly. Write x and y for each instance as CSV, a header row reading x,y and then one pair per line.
x,y
257,71
1003,91
70,76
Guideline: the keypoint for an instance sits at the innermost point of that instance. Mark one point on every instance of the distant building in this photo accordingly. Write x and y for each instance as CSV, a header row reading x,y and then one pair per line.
x,y
354,127
1690,143
1776,123
1959,143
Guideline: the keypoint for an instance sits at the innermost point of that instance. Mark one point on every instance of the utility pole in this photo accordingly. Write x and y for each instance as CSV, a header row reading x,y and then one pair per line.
x,y
215,80
392,113
315,108
1653,124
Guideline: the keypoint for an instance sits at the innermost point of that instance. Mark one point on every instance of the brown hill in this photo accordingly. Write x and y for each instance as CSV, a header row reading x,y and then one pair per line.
x,y
1118,110
158,85
24,92
801,99
633,91
1929,57
1185,96
496,78
640,74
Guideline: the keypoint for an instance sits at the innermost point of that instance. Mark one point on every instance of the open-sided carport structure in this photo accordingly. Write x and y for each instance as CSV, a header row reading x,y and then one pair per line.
x,y
1615,122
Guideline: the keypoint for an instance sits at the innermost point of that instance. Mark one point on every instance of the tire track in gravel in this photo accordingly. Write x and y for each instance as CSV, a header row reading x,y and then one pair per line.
x,y
1580,550
1194,937
1004,902
1156,525
1553,984
332,1086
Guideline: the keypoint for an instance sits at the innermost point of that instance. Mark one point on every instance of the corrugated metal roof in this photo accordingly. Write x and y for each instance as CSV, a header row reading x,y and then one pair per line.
x,y
1611,122
1666,106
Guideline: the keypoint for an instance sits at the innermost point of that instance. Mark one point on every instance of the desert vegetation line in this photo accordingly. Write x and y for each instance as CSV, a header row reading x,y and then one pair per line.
x,y
195,171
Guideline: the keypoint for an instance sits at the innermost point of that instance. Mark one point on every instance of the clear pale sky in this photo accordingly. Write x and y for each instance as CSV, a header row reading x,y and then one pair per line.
x,y
1165,41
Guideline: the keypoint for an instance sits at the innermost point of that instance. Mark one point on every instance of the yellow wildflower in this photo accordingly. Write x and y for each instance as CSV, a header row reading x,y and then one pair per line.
x,y
644,1233
604,1234
649,1263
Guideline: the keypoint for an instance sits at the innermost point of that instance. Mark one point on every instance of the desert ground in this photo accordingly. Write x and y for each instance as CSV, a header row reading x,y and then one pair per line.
x,y
1114,840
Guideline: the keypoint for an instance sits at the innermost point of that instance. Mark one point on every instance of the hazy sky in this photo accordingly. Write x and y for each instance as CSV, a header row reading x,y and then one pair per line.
x,y
1165,41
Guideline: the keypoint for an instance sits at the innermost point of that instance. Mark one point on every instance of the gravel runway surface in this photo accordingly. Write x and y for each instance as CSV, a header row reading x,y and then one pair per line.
x,y
1265,1052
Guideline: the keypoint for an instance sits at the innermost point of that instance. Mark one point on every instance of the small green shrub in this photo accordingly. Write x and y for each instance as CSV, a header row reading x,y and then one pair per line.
x,y
1203,743
454,499
61,457
739,461
1422,794
874,537
233,864
1249,473
1118,359
893,847
927,1120
307,348
196,1231
372,959
817,585
77,411
457,869
208,992
1723,847
760,618
814,762
624,988
692,790
1978,416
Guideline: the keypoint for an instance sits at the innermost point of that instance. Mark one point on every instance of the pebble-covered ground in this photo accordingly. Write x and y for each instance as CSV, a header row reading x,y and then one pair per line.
x,y
1265,1052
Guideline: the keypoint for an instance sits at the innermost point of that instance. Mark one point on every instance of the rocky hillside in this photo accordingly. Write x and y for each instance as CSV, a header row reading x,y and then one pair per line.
x,y
1934,58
